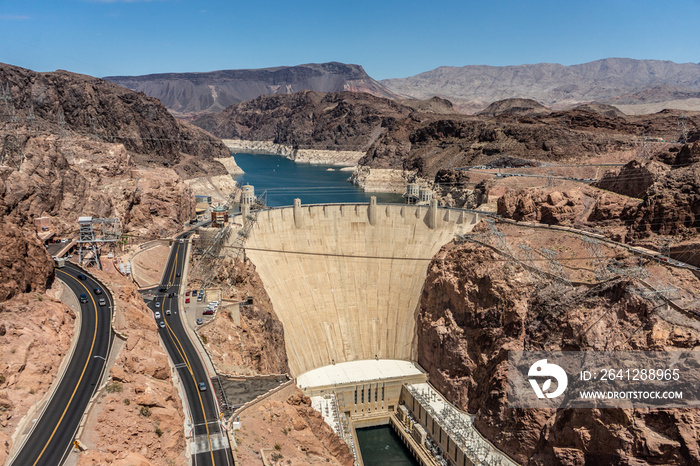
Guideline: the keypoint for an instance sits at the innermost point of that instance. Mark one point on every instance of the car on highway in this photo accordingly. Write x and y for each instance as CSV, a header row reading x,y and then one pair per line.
x,y
157,303
81,276
168,312
163,289
187,300
157,314
97,291
102,302
177,274
83,298
200,321
162,324
202,386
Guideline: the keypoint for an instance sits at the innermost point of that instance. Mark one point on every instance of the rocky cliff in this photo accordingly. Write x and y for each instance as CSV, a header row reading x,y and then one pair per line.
x,y
342,121
188,94
476,307
74,145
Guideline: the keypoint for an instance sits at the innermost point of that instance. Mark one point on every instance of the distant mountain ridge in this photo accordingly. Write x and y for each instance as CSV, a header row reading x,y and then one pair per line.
x,y
190,94
474,87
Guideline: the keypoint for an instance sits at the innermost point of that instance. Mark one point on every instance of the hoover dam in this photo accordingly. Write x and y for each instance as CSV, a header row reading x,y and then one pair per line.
x,y
345,279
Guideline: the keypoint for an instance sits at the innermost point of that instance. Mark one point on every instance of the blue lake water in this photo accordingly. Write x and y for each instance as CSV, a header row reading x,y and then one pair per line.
x,y
286,180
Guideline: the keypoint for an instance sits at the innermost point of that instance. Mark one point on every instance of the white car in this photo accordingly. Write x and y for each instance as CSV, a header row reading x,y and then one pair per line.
x,y
157,314
168,312
157,303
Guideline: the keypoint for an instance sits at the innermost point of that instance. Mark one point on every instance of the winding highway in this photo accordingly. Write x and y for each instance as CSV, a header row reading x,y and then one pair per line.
x,y
209,439
50,440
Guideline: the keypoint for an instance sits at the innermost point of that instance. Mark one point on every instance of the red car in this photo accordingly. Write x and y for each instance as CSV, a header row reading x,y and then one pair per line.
x,y
187,300
187,293
208,312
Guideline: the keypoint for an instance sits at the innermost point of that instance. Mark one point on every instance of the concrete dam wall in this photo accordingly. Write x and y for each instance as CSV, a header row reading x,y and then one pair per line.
x,y
345,280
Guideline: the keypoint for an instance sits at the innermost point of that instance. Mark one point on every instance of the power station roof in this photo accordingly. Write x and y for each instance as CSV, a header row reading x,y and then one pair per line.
x,y
357,372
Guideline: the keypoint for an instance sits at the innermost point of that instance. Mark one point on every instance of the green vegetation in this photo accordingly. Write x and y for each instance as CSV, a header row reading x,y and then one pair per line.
x,y
145,411
114,387
127,401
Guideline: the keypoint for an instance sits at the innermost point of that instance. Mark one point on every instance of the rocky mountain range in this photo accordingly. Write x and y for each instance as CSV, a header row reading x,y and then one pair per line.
x,y
611,80
425,137
187,94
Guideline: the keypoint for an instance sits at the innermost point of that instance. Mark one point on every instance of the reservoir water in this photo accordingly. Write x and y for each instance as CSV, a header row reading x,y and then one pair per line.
x,y
381,446
286,180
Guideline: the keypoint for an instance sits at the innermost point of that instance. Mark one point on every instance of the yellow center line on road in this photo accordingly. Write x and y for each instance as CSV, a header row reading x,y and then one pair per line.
x,y
92,346
181,351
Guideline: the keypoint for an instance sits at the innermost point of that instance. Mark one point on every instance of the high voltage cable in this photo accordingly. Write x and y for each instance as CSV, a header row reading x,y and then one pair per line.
x,y
350,256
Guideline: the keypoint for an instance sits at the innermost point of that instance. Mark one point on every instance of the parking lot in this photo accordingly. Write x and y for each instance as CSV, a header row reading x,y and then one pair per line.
x,y
195,309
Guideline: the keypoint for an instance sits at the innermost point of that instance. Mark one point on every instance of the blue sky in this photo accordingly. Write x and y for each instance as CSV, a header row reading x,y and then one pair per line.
x,y
389,38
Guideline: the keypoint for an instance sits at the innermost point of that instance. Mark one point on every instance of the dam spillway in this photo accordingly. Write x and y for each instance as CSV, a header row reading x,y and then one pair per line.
x,y
345,279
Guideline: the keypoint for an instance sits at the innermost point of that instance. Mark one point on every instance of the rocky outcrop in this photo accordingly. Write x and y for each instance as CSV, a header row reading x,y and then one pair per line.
x,y
91,148
72,104
255,345
671,205
188,94
284,427
474,309
25,265
543,206
35,336
343,121
633,179
524,107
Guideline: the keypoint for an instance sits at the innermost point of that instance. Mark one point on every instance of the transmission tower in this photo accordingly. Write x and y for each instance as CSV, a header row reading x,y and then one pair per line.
x,y
91,239
498,240
561,281
528,257
31,119
594,249
682,129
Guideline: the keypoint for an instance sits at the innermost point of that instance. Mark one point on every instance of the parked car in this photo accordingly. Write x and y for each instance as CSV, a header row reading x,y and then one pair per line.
x,y
208,312
81,276
200,321
83,298
187,300
199,299
157,315
187,293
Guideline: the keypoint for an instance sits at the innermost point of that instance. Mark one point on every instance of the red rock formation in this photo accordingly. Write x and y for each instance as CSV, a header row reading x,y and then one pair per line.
x,y
474,310
25,265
